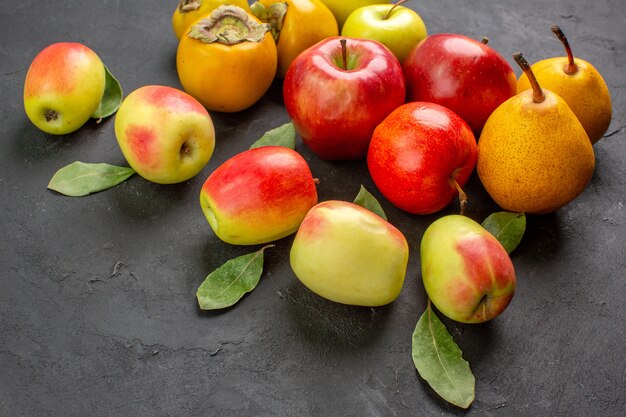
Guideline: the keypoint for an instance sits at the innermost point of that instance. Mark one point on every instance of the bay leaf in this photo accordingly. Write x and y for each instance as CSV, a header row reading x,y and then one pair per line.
x,y
284,135
365,199
230,282
507,227
79,179
440,361
112,97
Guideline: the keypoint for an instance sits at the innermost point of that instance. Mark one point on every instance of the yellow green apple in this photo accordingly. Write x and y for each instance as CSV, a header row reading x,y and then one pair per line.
x,y
63,88
342,8
166,135
347,254
258,196
467,273
397,27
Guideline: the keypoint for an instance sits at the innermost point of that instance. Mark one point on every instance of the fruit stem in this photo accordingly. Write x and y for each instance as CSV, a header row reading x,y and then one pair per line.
x,y
484,40
538,96
344,54
393,8
571,67
462,196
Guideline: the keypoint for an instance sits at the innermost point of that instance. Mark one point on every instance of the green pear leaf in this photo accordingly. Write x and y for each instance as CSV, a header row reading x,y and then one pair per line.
x,y
365,199
79,179
112,97
227,284
284,135
440,361
507,227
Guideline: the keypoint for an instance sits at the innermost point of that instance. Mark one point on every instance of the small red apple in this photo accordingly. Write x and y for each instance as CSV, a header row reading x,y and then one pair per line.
x,y
465,75
420,156
258,196
337,91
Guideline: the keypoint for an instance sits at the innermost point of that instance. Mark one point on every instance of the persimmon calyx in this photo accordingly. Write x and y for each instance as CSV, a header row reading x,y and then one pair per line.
x,y
229,25
186,6
274,14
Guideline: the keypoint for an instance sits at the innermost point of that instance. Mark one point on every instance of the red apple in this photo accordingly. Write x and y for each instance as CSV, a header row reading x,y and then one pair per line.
x,y
465,75
337,96
420,156
258,196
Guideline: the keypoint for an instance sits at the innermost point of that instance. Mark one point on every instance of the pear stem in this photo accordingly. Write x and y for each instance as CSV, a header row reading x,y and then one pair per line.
x,y
393,8
571,68
462,196
538,96
484,40
344,53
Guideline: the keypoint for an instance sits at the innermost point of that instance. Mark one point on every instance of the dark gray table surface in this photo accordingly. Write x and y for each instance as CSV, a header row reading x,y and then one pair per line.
x,y
98,315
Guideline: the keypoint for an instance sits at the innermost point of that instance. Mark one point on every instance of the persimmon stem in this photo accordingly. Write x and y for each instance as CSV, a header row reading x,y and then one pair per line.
x,y
538,95
462,196
393,8
344,53
571,67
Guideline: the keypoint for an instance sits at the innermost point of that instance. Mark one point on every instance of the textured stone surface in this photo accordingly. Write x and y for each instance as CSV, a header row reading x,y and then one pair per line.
x,y
97,309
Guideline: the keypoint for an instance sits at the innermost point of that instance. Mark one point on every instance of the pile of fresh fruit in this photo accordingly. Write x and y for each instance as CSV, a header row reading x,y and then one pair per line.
x,y
362,80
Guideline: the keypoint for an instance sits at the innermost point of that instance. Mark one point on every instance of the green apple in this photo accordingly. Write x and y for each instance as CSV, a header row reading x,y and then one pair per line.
x,y
467,273
346,253
397,27
342,8
63,87
165,134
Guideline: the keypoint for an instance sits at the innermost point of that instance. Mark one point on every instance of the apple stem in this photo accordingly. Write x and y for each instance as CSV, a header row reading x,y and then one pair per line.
x,y
484,40
538,96
344,53
316,180
462,196
571,67
393,8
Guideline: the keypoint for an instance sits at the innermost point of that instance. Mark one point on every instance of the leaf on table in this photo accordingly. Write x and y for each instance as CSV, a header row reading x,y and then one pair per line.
x,y
284,135
79,179
440,361
227,284
112,97
365,199
507,227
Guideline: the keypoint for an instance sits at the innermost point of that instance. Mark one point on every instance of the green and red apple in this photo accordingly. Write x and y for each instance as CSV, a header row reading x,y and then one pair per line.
x,y
166,135
347,254
467,273
258,196
63,87
397,27
342,8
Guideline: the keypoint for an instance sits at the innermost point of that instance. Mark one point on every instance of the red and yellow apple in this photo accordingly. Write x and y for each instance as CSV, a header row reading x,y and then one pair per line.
x,y
420,156
465,75
347,254
63,87
467,273
337,94
165,134
258,196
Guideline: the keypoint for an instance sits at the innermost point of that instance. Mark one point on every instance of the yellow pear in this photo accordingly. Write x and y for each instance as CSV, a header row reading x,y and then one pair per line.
x,y
534,155
579,84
